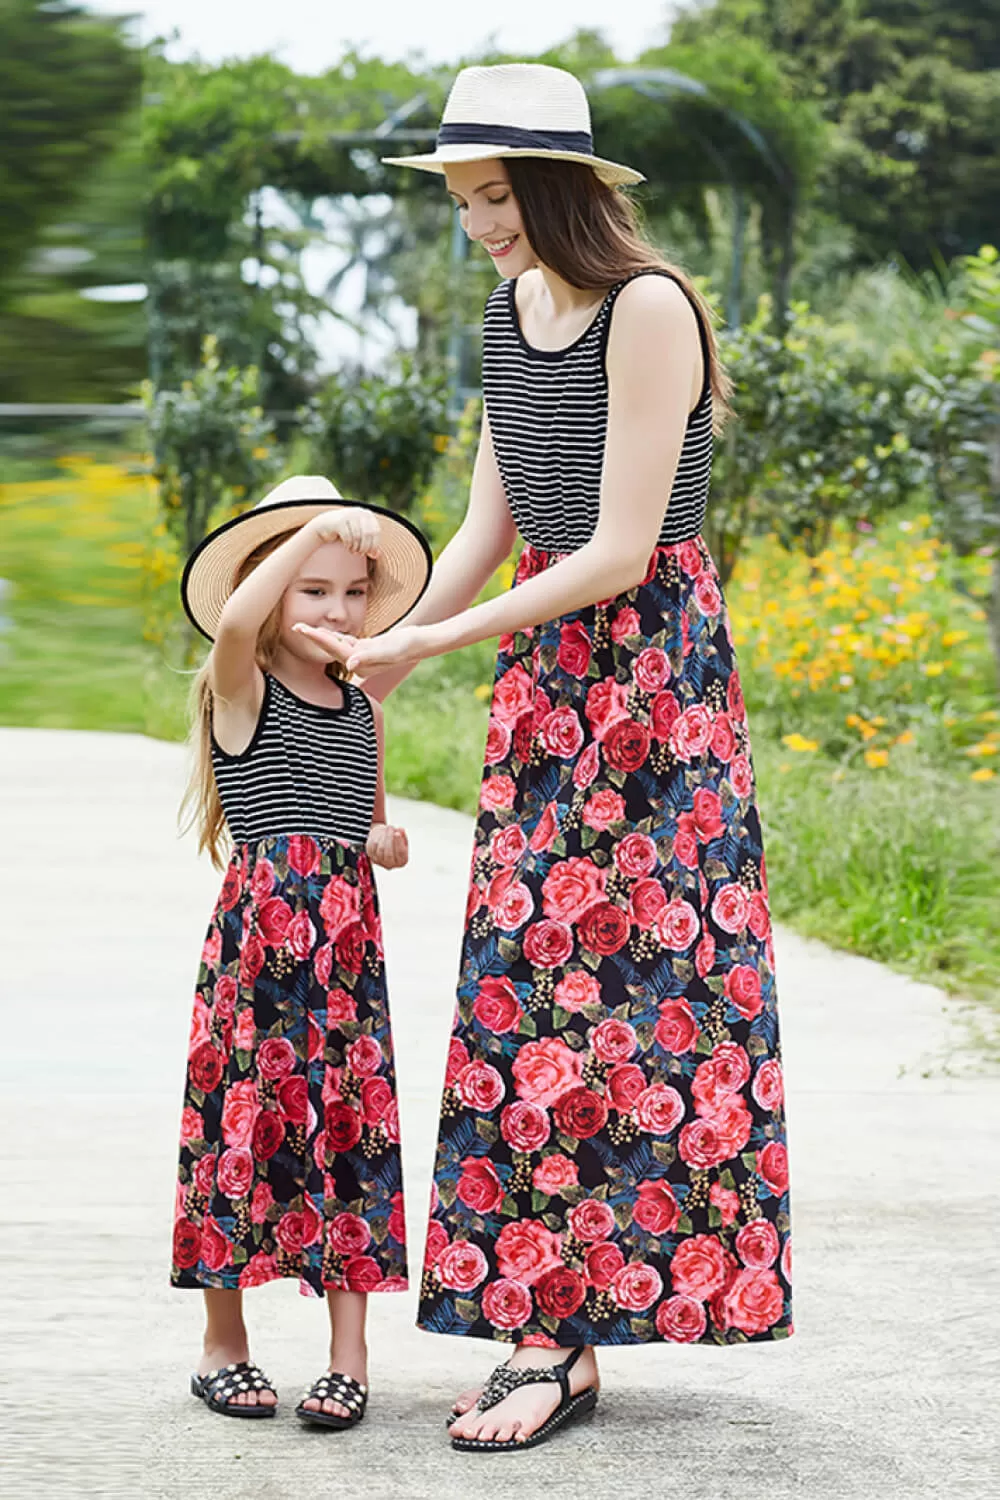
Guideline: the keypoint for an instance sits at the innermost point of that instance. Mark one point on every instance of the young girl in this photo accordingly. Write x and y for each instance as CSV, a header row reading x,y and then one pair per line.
x,y
290,1158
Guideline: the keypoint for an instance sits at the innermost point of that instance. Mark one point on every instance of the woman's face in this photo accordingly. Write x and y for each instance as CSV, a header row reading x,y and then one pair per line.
x,y
490,214
331,592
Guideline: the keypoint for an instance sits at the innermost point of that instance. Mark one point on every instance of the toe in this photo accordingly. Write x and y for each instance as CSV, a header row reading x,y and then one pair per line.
x,y
311,1405
267,1398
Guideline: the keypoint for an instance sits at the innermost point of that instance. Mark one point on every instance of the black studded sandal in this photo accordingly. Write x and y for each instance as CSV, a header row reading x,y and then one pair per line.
x,y
504,1380
335,1387
219,1389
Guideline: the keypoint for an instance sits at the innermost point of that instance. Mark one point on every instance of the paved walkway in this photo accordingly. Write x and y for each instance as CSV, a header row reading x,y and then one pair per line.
x,y
884,1390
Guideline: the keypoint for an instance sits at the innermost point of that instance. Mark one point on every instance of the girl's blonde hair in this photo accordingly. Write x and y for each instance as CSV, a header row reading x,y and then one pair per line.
x,y
200,806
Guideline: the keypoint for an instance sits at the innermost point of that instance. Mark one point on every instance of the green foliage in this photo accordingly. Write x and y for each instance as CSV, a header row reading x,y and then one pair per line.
x,y
212,447
377,438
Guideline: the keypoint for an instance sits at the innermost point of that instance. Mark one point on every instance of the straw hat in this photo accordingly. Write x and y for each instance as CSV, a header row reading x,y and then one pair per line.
x,y
517,109
402,571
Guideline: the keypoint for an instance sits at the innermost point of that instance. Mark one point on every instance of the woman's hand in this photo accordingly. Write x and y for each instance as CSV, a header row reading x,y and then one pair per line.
x,y
405,643
337,647
387,846
356,528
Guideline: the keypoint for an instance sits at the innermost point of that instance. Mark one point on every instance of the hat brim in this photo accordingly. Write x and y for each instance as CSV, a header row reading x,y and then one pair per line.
x,y
402,571
611,172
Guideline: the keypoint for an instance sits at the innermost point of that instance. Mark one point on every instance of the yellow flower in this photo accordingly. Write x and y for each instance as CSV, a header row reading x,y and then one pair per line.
x,y
934,668
798,742
261,452
952,637
985,773
877,758
483,691
906,738
441,442
983,748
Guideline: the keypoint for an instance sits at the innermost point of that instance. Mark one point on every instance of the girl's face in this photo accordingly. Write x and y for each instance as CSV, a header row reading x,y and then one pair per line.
x,y
490,215
331,592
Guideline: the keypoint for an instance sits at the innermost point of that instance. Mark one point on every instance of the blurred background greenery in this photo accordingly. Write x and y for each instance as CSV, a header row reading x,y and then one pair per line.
x,y
830,173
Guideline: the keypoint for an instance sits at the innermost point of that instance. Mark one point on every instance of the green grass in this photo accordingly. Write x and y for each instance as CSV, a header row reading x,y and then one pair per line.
x,y
901,864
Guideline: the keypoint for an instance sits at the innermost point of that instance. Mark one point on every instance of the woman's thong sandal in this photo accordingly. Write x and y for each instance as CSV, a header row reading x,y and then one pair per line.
x,y
504,1380
335,1387
219,1389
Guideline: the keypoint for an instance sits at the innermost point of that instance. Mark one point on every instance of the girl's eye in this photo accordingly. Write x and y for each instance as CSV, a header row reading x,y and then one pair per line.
x,y
497,201
317,593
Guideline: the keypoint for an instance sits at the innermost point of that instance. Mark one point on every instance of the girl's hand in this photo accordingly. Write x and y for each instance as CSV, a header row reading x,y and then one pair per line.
x,y
337,647
356,528
387,846
405,643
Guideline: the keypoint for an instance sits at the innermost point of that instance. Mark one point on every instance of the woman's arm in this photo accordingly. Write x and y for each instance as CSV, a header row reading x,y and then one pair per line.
x,y
654,373
470,559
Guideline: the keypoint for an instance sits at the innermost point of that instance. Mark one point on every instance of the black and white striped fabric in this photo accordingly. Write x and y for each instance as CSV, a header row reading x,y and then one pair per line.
x,y
308,769
548,413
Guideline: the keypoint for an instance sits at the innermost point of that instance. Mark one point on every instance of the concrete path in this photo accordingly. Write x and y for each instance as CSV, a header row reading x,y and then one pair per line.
x,y
884,1391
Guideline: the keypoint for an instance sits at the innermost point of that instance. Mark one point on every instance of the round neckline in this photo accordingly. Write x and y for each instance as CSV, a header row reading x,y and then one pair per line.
x,y
533,349
320,708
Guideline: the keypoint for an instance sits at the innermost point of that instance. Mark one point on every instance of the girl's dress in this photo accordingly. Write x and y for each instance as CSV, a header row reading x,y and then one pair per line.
x,y
611,1165
290,1159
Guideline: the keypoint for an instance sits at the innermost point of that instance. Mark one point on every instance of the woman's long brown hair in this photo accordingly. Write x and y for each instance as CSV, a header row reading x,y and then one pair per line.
x,y
589,234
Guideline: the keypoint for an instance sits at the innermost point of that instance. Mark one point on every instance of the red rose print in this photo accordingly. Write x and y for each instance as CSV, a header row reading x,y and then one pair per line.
x,y
348,1234
734,695
525,1127
548,944
602,1264
554,1173
676,1030
524,734
686,841
603,809
604,929
211,952
268,1135
289,1232
458,1056
635,856
525,1250
726,1201
192,1125
701,1144
437,1241
205,1068
235,1172
514,908
626,745
497,742
275,1057
571,887
757,1244
339,906
252,956
462,1266
508,844
376,1097
591,1220
692,733
659,1109
203,1174
698,1267
586,767
293,1096
545,832
187,1244
303,854
656,1208
541,708
245,1034
753,1301
723,738
648,901
704,955
496,1006
224,996
364,1057
741,776
340,1007
216,1250
664,712
772,1166
301,936
607,702
512,695
259,1270
544,1071
759,920
681,1320
262,880
479,1187
577,989
581,1113
560,1292
232,888
732,1066
562,733
323,963
706,595
397,1219
786,1261
651,669
636,1287
480,1087
708,814
743,990
362,1273
506,1304
574,649
497,791
625,623
623,1086
351,948
613,1041
677,925
768,1087
343,1126
730,908
690,558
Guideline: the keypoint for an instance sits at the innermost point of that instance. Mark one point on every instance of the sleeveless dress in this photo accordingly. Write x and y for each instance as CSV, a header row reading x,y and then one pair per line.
x,y
290,1159
611,1163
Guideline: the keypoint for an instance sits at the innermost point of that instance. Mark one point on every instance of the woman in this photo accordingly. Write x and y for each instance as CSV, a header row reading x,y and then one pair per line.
x,y
611,1165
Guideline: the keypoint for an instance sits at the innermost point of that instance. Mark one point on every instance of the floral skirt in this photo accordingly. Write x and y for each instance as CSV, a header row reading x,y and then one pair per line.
x,y
611,1164
290,1160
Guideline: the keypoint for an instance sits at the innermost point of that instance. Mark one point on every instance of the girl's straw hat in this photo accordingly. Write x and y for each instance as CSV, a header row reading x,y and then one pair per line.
x,y
401,574
517,109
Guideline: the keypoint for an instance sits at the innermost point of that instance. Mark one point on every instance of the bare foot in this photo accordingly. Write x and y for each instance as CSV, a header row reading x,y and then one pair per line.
x,y
218,1356
466,1400
528,1407
345,1359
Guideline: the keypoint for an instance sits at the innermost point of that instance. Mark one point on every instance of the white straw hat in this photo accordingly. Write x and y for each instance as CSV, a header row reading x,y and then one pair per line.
x,y
401,573
517,109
